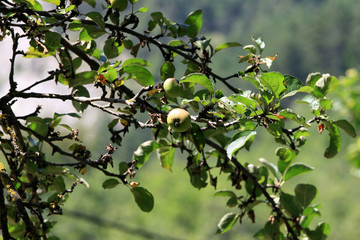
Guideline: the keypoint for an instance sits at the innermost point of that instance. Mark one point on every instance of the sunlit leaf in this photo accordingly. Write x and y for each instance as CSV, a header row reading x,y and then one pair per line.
x,y
289,114
296,169
167,70
274,81
292,84
324,84
56,2
112,48
142,154
166,154
119,5
199,79
194,20
227,45
238,141
140,74
227,222
270,166
312,79
136,61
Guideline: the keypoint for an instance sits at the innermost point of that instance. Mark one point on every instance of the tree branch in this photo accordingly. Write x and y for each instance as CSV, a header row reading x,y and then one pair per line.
x,y
262,188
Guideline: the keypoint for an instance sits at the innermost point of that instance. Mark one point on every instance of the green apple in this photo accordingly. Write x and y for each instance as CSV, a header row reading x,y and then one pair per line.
x,y
172,87
179,120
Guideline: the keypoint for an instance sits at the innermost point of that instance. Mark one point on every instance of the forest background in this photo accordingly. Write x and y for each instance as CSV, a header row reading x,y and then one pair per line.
x,y
308,36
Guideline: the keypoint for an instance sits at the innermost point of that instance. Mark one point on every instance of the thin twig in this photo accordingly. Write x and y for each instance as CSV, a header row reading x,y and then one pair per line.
x,y
242,169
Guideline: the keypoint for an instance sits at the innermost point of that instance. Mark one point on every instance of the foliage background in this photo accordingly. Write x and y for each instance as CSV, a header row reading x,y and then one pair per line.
x,y
308,36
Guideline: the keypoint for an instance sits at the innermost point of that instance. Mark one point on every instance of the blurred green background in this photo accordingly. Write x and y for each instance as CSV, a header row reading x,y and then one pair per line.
x,y
309,36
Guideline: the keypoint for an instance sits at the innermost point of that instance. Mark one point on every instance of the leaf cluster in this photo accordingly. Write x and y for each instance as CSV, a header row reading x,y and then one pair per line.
x,y
222,125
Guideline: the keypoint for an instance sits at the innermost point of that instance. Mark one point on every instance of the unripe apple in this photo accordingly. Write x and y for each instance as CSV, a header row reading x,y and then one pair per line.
x,y
172,87
179,120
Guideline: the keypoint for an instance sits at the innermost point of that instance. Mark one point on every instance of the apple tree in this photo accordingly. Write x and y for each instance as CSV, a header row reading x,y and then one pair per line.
x,y
194,111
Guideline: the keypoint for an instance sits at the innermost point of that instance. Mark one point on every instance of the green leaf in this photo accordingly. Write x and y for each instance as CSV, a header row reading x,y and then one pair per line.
x,y
288,113
227,222
251,48
40,128
232,201
140,74
325,104
56,2
335,140
59,184
166,154
305,193
81,92
274,81
136,61
270,166
224,193
312,79
34,53
97,18
75,115
82,79
123,167
91,2
112,48
291,204
292,84
199,79
142,154
197,137
260,44
157,17
167,70
347,127
52,40
244,100
143,9
252,79
297,169
325,84
91,32
110,183
238,141
271,231
227,45
143,198
275,129
194,20
119,5
321,232
110,75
